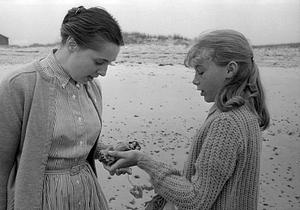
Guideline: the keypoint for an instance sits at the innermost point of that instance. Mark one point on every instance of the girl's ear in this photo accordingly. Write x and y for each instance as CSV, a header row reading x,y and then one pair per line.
x,y
231,69
71,44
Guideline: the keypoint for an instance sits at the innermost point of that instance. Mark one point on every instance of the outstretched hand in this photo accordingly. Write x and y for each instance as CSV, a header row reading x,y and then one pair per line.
x,y
107,161
125,159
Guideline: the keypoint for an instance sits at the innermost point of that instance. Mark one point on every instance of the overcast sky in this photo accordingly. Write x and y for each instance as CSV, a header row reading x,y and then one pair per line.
x,y
262,21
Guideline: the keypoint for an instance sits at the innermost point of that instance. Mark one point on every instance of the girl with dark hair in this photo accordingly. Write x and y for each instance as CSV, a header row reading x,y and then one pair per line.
x,y
51,119
222,168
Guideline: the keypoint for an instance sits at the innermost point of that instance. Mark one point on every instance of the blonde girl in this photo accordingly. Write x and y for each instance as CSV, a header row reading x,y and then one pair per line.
x,y
222,168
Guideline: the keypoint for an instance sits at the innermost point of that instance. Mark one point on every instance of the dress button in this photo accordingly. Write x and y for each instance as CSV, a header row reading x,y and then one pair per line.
x,y
77,181
74,97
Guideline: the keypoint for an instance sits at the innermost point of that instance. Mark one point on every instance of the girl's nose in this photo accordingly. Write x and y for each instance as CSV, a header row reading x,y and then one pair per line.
x,y
102,71
196,80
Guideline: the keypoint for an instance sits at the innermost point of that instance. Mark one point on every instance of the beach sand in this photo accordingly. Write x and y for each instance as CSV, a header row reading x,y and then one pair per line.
x,y
149,97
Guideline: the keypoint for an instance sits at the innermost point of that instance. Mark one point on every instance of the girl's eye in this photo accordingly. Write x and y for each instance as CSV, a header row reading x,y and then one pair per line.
x,y
112,63
198,70
99,63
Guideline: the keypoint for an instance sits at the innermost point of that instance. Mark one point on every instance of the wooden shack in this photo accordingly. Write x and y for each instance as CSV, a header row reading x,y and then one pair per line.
x,y
3,40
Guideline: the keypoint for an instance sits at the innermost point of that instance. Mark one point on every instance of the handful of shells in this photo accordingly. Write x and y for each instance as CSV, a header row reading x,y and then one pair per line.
x,y
121,146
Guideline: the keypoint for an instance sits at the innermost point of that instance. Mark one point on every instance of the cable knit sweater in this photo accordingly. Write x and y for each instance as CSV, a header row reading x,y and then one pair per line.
x,y
222,168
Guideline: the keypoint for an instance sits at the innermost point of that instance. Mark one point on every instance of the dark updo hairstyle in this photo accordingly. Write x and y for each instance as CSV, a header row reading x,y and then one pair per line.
x,y
89,27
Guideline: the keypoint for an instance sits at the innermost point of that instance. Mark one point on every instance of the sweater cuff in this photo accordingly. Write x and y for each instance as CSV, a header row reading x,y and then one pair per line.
x,y
155,169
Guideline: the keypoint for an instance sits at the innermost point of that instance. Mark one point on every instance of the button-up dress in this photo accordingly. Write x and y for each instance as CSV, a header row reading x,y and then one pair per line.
x,y
69,181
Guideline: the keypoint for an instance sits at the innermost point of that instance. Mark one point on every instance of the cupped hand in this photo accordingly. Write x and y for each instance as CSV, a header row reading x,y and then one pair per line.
x,y
119,171
108,148
125,159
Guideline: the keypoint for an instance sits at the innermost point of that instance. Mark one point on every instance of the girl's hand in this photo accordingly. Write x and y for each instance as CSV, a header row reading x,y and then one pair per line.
x,y
120,171
125,159
107,159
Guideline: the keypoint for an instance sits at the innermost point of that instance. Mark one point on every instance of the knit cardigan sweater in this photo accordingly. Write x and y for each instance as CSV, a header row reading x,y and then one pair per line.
x,y
222,168
27,113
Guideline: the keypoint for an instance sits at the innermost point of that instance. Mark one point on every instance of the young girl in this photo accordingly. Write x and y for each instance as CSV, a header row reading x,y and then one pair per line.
x,y
222,168
51,119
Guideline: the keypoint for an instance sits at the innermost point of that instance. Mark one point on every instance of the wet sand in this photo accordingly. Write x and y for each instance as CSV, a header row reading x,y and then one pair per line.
x,y
149,97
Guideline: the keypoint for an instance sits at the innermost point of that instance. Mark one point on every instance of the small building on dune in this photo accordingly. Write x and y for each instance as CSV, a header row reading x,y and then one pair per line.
x,y
3,40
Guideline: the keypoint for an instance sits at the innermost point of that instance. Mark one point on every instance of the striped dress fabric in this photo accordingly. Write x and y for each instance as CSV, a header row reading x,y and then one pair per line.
x,y
69,181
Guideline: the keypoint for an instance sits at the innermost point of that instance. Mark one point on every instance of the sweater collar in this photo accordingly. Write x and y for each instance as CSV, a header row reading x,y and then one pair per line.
x,y
212,109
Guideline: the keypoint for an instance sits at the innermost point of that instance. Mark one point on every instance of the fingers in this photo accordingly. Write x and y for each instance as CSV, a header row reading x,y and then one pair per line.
x,y
110,148
117,168
122,160
120,163
105,158
119,171
121,146
122,171
106,167
116,154
121,154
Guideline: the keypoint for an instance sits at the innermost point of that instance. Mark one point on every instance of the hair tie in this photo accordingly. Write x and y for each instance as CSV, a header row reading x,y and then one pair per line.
x,y
79,10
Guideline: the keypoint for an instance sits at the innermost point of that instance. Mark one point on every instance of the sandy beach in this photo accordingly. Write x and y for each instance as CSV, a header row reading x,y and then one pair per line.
x,y
149,97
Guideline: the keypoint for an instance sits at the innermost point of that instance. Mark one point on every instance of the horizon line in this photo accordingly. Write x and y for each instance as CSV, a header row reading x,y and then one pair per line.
x,y
149,35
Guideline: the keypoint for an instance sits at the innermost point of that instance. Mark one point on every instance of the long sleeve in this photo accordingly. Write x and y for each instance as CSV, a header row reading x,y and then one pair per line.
x,y
10,129
214,165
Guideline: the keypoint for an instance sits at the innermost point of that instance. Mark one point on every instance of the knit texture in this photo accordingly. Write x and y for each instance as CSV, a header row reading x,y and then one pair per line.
x,y
222,168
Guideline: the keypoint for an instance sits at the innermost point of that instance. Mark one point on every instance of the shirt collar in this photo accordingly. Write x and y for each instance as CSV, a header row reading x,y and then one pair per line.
x,y
57,69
